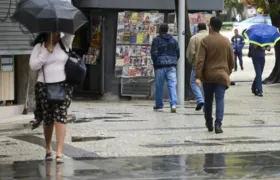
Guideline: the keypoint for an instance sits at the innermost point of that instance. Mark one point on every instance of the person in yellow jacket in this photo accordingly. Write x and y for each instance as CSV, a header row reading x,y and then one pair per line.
x,y
192,53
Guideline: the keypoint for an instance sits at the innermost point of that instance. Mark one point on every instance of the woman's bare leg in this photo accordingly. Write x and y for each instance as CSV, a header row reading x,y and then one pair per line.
x,y
48,131
60,130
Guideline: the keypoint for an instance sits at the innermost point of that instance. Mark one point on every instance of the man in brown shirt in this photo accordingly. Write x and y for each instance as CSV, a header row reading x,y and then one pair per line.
x,y
214,66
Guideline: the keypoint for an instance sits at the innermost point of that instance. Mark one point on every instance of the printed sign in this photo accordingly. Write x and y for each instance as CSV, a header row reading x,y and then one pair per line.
x,y
7,63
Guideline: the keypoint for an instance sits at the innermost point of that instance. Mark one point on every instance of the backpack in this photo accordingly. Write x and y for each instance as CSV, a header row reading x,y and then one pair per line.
x,y
75,68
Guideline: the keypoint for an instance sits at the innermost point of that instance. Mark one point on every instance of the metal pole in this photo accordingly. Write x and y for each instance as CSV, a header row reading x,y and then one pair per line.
x,y
181,63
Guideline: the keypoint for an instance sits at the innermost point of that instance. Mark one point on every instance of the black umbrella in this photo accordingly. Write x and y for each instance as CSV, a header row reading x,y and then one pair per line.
x,y
49,16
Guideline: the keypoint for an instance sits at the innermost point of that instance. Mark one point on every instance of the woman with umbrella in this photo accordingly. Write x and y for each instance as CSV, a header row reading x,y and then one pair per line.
x,y
49,59
260,36
53,95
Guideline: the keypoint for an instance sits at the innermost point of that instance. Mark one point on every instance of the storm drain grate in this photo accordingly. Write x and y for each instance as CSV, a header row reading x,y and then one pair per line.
x,y
94,138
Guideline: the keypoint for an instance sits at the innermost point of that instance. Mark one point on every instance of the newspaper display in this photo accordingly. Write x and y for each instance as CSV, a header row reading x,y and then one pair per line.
x,y
134,38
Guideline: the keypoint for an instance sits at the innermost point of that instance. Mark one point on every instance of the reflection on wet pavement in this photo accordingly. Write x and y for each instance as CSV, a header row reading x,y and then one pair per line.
x,y
254,165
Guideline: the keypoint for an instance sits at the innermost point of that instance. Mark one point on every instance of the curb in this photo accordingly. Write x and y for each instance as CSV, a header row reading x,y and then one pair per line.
x,y
25,124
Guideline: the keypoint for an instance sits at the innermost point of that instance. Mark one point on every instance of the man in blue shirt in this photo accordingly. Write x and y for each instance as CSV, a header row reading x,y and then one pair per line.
x,y
165,55
237,45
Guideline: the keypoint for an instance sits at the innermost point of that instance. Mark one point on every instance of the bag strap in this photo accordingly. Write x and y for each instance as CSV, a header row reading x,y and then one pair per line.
x,y
43,70
63,47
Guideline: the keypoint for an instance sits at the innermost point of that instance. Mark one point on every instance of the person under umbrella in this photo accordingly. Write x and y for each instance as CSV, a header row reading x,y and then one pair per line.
x,y
49,18
260,36
49,59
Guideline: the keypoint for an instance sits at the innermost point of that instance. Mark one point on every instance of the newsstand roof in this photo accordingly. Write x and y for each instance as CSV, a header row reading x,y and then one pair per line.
x,y
159,5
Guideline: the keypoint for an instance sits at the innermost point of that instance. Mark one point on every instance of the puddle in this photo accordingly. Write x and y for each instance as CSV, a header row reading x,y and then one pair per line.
x,y
125,120
89,172
82,120
142,105
249,165
119,113
69,150
232,138
4,156
94,138
258,122
254,142
106,117
187,143
226,114
90,119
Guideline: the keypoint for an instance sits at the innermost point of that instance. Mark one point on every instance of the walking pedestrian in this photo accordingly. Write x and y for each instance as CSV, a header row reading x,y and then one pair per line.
x,y
165,55
49,59
257,54
238,45
192,53
214,66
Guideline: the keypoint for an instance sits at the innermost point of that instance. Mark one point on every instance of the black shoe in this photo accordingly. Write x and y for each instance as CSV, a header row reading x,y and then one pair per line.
x,y
259,94
242,68
209,126
218,130
199,106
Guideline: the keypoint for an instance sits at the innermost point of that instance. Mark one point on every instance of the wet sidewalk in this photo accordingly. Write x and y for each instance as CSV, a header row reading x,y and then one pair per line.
x,y
225,166
128,140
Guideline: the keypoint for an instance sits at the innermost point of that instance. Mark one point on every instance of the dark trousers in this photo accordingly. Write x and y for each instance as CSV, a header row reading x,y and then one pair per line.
x,y
239,56
211,89
259,63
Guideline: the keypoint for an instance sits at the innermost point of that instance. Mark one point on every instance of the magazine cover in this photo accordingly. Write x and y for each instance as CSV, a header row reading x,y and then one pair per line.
x,y
134,18
138,50
126,60
153,29
140,38
133,50
141,17
147,18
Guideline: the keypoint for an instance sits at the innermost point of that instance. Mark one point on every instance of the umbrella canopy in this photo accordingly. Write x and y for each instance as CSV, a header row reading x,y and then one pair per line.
x,y
262,35
49,16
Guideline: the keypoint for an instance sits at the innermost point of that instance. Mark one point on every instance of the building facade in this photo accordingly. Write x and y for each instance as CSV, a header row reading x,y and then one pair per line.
x,y
14,59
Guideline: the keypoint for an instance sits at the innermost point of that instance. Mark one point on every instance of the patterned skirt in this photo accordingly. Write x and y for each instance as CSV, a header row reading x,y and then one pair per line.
x,y
50,113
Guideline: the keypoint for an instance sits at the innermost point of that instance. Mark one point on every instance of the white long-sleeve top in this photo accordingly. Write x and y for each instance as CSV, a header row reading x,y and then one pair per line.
x,y
53,63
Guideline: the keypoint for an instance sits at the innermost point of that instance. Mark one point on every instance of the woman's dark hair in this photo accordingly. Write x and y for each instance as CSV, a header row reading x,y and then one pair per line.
x,y
42,37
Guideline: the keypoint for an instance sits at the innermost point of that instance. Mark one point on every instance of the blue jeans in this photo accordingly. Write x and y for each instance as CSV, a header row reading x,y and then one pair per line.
x,y
258,63
209,90
196,89
168,74
239,56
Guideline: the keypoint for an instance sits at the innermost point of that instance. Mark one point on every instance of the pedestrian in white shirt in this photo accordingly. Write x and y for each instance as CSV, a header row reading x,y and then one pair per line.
x,y
48,56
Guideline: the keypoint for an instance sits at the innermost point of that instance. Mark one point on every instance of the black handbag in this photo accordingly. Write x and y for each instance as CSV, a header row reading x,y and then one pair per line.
x,y
75,68
56,94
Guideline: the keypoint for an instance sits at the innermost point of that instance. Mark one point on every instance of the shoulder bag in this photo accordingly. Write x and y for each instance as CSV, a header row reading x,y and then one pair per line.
x,y
56,94
75,68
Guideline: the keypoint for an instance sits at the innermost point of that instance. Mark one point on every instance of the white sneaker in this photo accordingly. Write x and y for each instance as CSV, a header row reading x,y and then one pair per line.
x,y
158,109
173,109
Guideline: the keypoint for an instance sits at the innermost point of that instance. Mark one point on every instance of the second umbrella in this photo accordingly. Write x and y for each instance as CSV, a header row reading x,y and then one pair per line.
x,y
262,35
